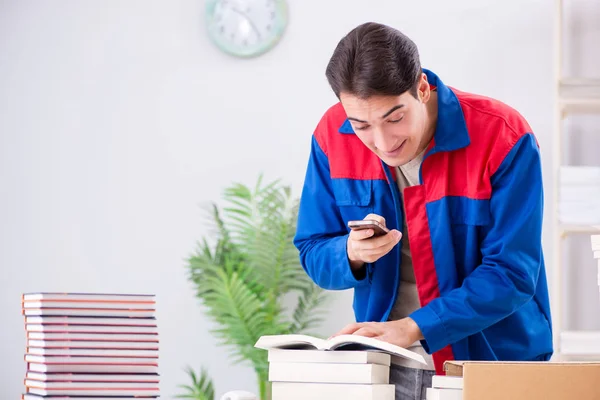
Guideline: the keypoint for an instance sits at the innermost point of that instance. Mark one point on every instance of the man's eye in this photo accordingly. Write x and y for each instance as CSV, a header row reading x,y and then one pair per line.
x,y
362,128
395,121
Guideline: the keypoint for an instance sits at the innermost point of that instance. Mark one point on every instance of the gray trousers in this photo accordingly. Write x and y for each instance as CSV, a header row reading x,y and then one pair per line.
x,y
411,384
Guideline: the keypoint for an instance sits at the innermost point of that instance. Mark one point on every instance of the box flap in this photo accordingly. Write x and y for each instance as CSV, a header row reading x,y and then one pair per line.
x,y
453,368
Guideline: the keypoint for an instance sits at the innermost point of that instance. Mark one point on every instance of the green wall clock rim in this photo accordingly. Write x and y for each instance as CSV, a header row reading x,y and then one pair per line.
x,y
279,31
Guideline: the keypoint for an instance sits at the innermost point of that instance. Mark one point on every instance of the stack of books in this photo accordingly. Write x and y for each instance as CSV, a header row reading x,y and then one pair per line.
x,y
345,367
445,388
579,191
88,345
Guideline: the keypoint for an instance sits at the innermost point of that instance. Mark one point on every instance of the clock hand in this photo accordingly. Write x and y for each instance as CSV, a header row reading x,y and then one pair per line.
x,y
254,28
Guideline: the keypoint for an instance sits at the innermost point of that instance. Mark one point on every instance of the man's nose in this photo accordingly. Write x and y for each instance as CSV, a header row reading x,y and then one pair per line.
x,y
383,141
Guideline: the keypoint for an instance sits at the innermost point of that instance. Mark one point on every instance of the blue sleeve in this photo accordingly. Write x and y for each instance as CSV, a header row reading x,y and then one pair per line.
x,y
321,235
511,256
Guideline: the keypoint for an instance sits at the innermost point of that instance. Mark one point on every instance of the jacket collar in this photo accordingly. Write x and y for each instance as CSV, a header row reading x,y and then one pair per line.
x,y
451,130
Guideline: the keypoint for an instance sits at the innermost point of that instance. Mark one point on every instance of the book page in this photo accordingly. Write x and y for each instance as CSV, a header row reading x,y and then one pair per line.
x,y
357,342
290,342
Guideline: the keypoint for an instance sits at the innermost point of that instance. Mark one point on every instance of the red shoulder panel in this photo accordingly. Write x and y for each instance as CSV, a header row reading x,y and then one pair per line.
x,y
348,156
493,129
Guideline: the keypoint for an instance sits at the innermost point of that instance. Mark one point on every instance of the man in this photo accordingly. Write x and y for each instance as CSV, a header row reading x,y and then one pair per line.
x,y
456,178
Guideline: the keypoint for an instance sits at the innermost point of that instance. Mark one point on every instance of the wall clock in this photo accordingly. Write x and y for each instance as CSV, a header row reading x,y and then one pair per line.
x,y
246,28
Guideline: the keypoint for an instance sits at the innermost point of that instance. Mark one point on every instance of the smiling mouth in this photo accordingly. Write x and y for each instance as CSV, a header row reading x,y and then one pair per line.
x,y
396,151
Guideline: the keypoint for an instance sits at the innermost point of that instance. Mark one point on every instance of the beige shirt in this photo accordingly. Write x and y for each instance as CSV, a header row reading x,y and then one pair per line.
x,y
408,298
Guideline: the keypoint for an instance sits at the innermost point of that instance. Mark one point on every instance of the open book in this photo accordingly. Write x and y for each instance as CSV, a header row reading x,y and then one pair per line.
x,y
342,342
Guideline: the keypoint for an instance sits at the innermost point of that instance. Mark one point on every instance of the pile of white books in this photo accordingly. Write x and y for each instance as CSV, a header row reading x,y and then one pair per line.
x,y
88,345
345,367
579,191
445,388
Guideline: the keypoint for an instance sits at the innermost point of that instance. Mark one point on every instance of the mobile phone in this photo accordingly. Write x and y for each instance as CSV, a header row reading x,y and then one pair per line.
x,y
368,224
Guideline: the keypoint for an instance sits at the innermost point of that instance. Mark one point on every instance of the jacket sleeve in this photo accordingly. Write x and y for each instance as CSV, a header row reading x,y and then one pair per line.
x,y
511,256
321,235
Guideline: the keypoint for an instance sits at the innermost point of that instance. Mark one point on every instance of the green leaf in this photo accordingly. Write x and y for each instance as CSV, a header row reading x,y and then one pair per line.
x,y
201,387
309,311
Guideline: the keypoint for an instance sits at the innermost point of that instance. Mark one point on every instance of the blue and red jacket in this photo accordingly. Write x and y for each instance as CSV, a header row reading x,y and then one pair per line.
x,y
474,222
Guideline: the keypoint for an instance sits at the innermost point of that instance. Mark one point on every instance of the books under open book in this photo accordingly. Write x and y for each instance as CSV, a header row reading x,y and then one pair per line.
x,y
341,342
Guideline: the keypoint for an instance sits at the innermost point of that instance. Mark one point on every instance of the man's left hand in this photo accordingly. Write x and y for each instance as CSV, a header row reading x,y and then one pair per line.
x,y
403,332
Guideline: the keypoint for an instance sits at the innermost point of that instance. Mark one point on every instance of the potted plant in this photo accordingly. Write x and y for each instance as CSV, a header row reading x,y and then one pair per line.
x,y
245,267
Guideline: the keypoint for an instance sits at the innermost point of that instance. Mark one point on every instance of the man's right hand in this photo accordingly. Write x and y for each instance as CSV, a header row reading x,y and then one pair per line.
x,y
363,248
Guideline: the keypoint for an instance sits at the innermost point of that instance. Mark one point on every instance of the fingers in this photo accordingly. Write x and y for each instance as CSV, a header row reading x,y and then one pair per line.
x,y
366,331
381,244
390,238
373,249
349,329
377,218
363,247
361,234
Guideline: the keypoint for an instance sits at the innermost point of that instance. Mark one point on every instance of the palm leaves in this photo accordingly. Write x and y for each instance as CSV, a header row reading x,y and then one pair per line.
x,y
306,315
252,264
201,387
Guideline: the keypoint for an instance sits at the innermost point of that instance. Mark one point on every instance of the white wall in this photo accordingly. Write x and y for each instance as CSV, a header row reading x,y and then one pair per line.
x,y
118,119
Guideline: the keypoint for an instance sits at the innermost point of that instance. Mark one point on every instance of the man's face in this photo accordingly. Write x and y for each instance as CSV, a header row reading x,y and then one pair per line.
x,y
393,127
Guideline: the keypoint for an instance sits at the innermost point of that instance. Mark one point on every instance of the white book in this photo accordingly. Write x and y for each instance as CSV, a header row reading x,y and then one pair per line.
x,y
41,351
59,320
332,357
580,193
91,328
444,394
582,211
341,342
87,377
95,392
31,396
94,336
121,297
95,368
84,385
447,382
331,391
32,358
83,344
579,174
329,373
579,342
583,219
87,305
89,312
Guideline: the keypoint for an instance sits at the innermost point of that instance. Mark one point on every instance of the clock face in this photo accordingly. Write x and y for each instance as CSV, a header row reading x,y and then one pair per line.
x,y
246,28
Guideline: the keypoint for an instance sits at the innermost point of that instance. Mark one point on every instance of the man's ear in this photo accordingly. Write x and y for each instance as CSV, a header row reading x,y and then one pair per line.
x,y
423,89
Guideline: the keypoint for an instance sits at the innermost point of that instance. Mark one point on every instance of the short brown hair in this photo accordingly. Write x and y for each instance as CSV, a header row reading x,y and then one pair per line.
x,y
374,59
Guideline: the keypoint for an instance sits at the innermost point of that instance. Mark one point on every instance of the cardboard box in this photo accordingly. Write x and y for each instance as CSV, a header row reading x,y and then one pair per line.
x,y
486,380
